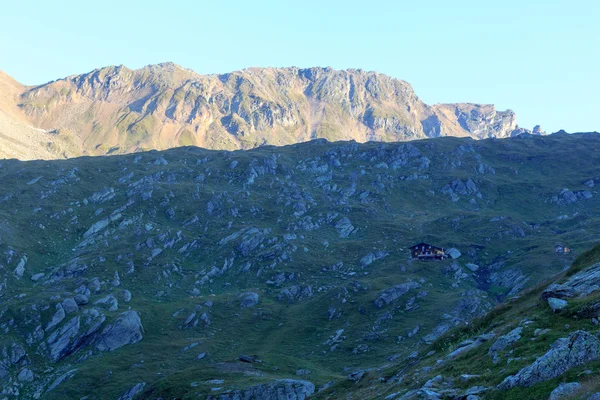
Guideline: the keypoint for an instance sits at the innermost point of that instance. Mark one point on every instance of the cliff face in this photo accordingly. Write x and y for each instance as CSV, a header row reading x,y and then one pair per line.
x,y
119,110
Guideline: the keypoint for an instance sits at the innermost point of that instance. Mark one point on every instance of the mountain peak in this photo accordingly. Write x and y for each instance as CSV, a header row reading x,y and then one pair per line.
x,y
7,80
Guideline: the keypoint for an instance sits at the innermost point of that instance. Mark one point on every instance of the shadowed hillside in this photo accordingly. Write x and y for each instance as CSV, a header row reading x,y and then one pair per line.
x,y
191,272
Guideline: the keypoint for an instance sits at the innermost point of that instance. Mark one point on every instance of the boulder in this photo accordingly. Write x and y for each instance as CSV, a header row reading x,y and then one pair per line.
x,y
96,227
59,342
357,376
17,353
472,267
505,341
284,389
37,277
127,329
302,372
557,304
70,305
565,391
20,270
58,317
469,345
568,197
344,227
248,299
247,359
372,257
436,333
109,302
26,375
578,349
81,299
391,294
453,253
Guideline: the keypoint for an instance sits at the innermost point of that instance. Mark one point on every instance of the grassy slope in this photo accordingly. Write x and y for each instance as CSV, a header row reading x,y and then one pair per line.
x,y
501,320
286,336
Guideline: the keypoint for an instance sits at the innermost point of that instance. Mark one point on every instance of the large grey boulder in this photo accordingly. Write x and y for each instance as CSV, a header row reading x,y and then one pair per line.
x,y
284,389
251,240
344,227
469,345
472,267
127,329
565,391
581,284
81,299
109,301
17,353
504,342
58,317
557,304
391,294
96,227
26,375
70,305
453,253
372,257
248,299
436,333
20,270
566,353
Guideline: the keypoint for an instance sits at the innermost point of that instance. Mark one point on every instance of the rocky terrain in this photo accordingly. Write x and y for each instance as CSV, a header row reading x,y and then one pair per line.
x,y
284,272
116,110
527,348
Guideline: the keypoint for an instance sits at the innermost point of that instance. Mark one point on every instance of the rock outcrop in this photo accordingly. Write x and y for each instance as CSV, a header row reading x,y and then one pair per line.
x,y
284,389
504,342
581,284
391,294
248,299
127,329
578,349
131,393
565,391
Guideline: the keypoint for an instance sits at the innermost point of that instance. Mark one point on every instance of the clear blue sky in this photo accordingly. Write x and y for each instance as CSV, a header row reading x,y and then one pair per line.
x,y
539,58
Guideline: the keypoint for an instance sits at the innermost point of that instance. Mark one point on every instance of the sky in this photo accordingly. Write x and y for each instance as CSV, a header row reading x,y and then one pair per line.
x,y
538,58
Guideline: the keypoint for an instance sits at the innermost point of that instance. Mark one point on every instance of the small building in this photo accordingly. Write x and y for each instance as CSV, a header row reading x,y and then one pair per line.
x,y
560,249
425,251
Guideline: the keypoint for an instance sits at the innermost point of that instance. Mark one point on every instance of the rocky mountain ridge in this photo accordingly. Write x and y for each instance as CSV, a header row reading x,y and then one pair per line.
x,y
116,110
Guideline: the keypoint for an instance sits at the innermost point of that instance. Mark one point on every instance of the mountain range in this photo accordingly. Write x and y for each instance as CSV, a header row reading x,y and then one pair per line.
x,y
116,110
